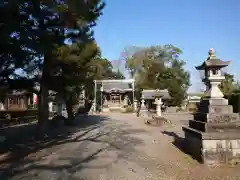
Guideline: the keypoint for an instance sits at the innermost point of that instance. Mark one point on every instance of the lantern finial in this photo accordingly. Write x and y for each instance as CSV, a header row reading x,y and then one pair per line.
x,y
211,52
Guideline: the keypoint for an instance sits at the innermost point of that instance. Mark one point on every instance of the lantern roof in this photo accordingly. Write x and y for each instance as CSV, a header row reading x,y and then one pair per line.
x,y
212,61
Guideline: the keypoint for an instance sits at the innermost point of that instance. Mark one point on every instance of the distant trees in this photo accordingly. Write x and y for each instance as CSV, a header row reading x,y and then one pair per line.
x,y
229,85
159,67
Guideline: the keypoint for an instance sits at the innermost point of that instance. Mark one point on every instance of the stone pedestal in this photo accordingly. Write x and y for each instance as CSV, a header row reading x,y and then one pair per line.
x,y
213,91
213,137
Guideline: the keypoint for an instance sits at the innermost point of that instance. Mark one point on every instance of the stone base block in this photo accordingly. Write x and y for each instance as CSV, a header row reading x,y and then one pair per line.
x,y
216,117
216,109
213,148
214,127
105,110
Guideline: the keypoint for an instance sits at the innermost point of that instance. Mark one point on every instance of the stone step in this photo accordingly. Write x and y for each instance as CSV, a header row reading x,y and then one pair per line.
x,y
212,102
216,117
216,109
214,127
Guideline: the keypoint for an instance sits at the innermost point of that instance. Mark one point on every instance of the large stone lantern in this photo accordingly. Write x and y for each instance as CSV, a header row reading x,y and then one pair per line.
x,y
212,74
213,135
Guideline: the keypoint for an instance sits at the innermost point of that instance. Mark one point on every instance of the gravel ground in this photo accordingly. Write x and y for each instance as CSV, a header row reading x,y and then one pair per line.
x,y
118,147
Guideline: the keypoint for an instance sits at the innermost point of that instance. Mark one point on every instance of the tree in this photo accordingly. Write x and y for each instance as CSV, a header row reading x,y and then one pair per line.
x,y
159,67
98,69
236,87
48,25
71,71
76,67
14,39
31,32
227,85
116,75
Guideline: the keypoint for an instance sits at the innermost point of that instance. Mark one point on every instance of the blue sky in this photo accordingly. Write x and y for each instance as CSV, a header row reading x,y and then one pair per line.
x,y
192,25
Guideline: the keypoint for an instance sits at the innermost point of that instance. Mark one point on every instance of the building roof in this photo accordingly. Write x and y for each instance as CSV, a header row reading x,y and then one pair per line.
x,y
149,94
116,86
115,81
17,92
213,61
195,94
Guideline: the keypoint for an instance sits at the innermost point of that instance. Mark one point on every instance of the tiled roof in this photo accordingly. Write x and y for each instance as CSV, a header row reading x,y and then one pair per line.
x,y
149,94
108,86
213,61
16,92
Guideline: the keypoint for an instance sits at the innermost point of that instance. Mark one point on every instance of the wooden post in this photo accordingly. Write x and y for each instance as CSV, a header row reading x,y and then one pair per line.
x,y
95,96
133,90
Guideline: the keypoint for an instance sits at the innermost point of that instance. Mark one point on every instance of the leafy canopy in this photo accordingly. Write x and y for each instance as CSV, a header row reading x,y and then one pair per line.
x,y
159,67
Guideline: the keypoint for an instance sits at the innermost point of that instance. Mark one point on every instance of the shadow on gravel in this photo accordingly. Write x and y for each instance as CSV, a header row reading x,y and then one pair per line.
x,y
26,139
180,143
67,164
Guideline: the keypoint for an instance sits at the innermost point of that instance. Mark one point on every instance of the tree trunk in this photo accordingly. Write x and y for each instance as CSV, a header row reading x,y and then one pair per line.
x,y
43,109
69,108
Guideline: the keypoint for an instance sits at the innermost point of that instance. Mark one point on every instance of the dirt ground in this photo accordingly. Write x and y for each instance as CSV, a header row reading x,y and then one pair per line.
x,y
116,147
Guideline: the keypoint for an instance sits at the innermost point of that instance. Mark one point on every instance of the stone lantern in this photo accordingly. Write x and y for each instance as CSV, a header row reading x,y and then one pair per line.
x,y
157,95
212,74
143,110
213,135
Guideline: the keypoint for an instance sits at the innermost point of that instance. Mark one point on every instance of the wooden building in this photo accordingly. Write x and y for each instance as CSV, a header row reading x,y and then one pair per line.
x,y
18,100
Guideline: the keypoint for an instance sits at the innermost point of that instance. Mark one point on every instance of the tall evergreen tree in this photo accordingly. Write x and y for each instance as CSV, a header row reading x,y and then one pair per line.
x,y
50,23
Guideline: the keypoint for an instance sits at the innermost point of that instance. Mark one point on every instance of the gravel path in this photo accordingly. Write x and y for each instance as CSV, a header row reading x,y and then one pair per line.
x,y
118,147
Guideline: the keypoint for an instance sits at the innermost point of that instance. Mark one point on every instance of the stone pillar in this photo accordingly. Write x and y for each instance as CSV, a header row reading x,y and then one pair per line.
x,y
142,103
50,106
1,106
125,101
158,102
93,108
120,100
135,105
